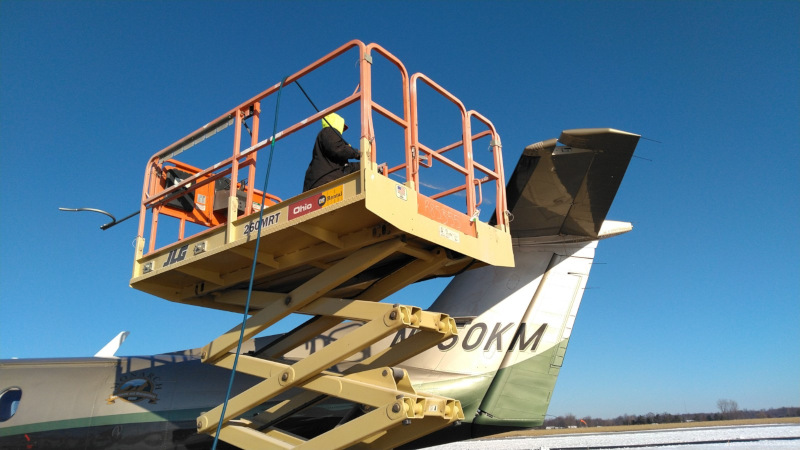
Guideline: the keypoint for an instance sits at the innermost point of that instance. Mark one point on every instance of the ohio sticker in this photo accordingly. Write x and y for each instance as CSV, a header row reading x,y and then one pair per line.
x,y
314,203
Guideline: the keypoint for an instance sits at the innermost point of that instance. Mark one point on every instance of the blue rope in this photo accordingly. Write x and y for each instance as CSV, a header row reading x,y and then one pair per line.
x,y
253,269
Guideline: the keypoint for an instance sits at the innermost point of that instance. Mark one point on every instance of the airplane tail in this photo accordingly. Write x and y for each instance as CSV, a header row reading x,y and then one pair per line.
x,y
515,323
521,390
514,327
522,339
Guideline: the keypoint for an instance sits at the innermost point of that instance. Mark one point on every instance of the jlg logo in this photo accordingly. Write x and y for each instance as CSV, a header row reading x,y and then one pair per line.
x,y
176,255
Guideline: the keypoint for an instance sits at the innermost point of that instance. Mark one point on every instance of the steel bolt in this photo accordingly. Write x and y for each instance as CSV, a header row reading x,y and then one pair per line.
x,y
396,408
284,377
393,315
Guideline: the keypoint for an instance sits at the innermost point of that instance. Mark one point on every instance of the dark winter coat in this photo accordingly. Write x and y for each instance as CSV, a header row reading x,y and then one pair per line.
x,y
329,159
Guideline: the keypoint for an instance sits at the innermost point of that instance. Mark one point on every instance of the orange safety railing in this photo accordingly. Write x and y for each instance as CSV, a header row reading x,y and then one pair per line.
x,y
160,193
470,165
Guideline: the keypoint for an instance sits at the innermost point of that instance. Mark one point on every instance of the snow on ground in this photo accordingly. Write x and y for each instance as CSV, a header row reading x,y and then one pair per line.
x,y
749,437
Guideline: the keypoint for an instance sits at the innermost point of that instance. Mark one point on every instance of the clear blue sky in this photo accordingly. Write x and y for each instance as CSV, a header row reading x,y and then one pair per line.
x,y
700,302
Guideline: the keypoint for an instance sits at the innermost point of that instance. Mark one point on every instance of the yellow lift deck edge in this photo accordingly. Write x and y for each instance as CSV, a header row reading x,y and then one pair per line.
x,y
308,232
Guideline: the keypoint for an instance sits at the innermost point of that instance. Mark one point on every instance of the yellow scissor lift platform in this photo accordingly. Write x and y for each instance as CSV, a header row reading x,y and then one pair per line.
x,y
332,252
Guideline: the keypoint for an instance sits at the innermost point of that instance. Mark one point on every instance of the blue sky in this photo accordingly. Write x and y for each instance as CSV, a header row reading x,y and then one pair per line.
x,y
700,302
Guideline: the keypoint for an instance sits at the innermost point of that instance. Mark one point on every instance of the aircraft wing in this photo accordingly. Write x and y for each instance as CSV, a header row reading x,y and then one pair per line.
x,y
565,186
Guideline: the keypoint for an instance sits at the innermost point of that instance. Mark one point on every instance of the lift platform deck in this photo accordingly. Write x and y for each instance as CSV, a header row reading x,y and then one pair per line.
x,y
332,252
305,234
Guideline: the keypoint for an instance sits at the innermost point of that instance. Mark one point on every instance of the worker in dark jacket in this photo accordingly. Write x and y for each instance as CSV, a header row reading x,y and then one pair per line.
x,y
331,154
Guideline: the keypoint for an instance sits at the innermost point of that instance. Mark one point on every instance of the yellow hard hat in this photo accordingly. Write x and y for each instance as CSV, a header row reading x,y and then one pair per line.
x,y
334,121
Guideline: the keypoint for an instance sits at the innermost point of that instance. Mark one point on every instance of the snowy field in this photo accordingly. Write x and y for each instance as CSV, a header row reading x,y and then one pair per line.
x,y
740,437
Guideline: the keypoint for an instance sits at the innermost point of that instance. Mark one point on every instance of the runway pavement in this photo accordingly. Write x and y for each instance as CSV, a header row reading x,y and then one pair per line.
x,y
742,437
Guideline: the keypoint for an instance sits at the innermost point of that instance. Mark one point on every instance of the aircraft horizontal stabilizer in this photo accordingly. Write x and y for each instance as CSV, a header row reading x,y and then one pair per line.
x,y
565,186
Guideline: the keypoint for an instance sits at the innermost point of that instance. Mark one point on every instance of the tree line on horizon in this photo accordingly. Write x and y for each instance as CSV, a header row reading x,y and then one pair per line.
x,y
728,411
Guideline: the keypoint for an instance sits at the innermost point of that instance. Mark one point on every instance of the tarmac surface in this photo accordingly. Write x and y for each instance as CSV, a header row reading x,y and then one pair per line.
x,y
778,436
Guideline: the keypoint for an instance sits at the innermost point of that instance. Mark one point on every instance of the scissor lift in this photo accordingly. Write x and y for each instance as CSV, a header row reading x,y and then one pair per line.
x,y
333,253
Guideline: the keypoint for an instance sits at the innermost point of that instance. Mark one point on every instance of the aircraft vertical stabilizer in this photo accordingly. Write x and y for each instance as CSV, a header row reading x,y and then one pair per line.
x,y
515,323
521,390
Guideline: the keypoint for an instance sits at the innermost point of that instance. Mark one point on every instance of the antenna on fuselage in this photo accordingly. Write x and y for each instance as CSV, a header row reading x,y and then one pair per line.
x,y
113,345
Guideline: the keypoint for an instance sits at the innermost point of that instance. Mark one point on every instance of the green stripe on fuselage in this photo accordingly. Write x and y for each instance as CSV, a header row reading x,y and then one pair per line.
x,y
116,419
520,394
468,390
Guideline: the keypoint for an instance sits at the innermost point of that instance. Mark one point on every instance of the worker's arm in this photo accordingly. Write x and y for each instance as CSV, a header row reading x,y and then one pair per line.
x,y
336,148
